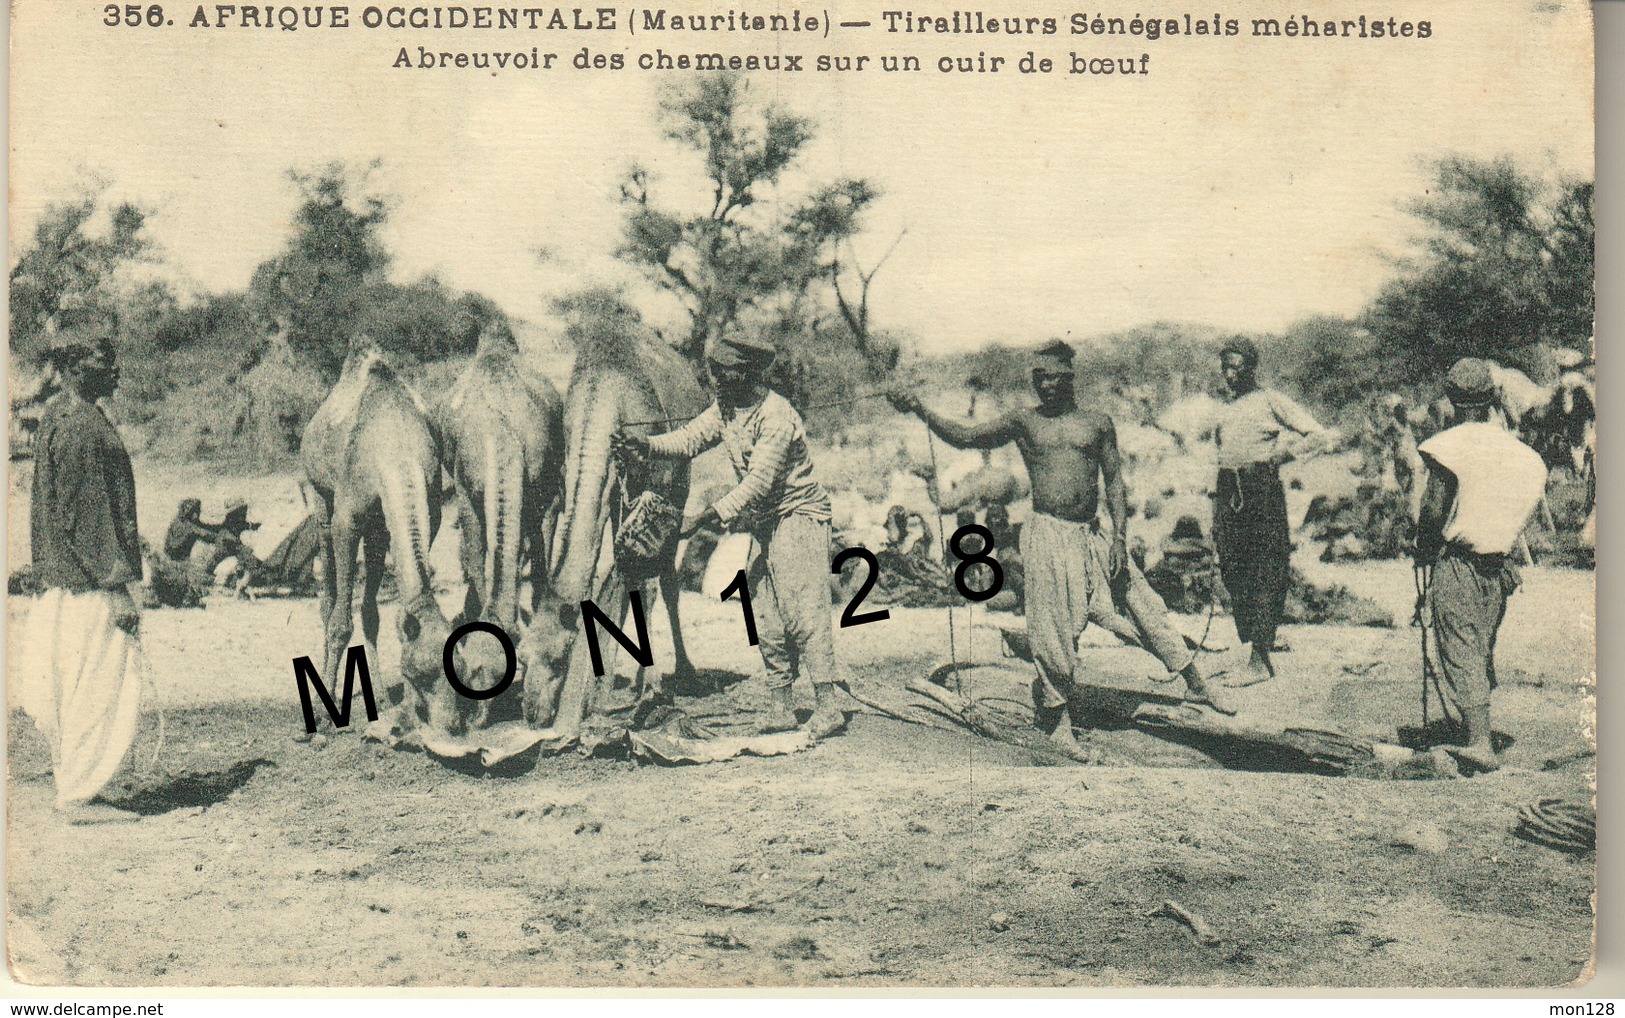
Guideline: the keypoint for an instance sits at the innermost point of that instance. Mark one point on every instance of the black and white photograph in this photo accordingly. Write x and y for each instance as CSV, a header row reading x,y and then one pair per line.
x,y
847,499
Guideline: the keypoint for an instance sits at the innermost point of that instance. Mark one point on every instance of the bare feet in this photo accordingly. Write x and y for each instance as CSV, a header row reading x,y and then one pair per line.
x,y
98,813
825,722
1062,734
1477,758
780,715
1201,692
778,721
1259,669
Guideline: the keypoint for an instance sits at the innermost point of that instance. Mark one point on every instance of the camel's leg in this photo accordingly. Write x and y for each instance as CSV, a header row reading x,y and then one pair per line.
x,y
324,519
327,595
471,551
671,589
442,701
641,683
340,618
374,546
670,583
613,592
541,547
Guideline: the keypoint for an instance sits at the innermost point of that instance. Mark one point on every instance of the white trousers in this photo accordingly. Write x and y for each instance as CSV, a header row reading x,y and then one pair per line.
x,y
79,677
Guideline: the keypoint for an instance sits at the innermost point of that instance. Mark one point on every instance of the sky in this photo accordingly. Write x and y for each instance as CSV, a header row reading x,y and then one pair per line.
x,y
1240,183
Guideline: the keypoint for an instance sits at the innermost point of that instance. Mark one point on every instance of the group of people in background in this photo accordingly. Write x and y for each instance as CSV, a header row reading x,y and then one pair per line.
x,y
194,550
79,673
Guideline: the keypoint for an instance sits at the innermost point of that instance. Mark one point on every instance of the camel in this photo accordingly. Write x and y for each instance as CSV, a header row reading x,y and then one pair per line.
x,y
373,460
502,436
622,379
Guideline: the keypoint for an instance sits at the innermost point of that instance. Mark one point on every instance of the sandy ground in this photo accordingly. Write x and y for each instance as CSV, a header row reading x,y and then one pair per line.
x,y
881,857
893,855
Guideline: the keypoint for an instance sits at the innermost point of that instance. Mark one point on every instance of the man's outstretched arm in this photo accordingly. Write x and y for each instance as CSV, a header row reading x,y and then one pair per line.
x,y
999,431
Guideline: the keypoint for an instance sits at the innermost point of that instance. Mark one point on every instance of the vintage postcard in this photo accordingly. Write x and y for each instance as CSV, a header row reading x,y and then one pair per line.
x,y
799,496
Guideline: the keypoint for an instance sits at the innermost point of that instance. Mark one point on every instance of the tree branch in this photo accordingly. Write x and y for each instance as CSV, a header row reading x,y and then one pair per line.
x,y
884,257
681,278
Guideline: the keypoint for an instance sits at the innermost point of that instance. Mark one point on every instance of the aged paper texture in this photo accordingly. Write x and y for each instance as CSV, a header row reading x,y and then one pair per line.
x,y
796,496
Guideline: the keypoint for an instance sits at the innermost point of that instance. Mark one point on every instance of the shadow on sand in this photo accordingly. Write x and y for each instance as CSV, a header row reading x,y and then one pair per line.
x,y
188,790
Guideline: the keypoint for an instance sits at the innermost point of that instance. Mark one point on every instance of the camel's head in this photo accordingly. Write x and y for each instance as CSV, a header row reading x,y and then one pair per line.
x,y
423,631
544,657
481,659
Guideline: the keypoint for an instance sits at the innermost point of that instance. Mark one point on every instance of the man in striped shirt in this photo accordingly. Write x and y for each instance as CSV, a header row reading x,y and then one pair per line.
x,y
779,503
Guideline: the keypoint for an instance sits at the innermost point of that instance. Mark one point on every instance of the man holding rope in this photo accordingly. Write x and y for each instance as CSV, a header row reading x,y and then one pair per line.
x,y
779,503
1482,487
1074,573
79,666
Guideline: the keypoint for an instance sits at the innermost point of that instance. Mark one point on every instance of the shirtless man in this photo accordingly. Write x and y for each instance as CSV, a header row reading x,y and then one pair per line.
x,y
1074,574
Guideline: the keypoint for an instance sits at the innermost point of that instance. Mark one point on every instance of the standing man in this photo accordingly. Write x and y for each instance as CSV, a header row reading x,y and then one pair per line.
x,y
1250,529
1482,487
784,509
1073,572
80,668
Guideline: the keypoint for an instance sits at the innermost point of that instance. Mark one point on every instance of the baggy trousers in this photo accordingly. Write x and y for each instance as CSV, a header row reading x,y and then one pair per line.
x,y
79,677
1068,587
1251,534
789,583
1469,595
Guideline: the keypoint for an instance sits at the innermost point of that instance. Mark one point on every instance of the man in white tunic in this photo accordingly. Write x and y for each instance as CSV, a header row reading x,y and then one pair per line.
x,y
1482,487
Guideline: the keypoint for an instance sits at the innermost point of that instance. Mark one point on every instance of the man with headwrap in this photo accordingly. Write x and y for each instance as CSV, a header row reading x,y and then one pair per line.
x,y
1482,487
186,530
779,503
1259,430
79,664
1074,574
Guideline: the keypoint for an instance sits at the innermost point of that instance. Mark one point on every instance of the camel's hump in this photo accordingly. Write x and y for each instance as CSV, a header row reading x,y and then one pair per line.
x,y
369,395
502,399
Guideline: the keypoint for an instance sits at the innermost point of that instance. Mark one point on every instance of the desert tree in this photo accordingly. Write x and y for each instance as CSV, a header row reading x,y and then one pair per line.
x,y
315,289
71,260
1504,265
748,255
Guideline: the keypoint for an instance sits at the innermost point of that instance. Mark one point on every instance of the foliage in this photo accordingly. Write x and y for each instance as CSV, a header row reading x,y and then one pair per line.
x,y
68,261
599,322
314,290
1335,366
754,259
426,320
238,374
1505,263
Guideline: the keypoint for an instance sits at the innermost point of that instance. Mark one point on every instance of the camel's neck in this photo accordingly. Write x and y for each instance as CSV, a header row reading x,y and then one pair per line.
x,y
599,404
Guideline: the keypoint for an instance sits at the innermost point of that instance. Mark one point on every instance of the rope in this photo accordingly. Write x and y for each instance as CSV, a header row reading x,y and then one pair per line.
x,y
149,681
1212,609
849,401
1423,577
942,535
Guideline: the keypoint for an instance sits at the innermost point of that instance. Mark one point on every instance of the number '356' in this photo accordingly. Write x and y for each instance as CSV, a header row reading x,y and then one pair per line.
x,y
132,15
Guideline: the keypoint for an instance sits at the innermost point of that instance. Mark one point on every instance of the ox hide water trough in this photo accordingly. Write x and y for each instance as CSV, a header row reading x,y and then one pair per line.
x,y
1128,719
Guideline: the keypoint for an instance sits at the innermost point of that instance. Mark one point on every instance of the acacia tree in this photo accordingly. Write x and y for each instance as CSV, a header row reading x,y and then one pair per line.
x,y
1506,262
754,258
66,263
315,290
